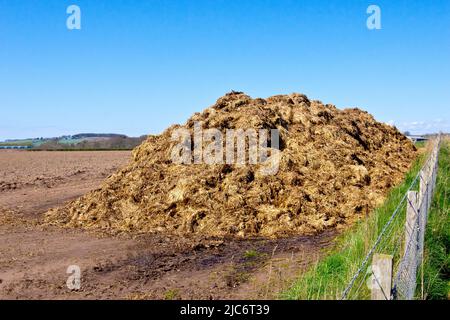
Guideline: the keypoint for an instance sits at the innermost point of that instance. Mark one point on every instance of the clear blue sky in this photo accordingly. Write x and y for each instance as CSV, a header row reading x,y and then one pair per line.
x,y
136,67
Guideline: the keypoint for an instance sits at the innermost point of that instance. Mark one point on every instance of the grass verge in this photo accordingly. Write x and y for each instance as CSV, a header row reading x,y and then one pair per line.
x,y
328,278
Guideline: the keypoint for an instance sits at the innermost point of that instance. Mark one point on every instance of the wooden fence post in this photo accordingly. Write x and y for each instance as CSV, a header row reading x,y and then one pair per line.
x,y
381,276
435,165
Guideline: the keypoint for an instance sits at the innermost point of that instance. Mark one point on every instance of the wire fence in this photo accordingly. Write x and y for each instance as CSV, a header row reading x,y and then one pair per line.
x,y
405,247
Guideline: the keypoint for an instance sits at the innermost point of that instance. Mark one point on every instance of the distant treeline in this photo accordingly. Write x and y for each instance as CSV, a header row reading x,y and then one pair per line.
x,y
98,135
118,142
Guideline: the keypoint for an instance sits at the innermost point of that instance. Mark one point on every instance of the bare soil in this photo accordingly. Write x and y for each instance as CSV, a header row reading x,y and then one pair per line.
x,y
34,257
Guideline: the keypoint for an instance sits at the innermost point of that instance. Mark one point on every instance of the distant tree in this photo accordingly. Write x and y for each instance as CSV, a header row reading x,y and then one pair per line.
x,y
407,133
114,142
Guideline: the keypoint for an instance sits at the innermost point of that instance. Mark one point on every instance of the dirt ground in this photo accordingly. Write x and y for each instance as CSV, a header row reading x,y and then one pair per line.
x,y
34,257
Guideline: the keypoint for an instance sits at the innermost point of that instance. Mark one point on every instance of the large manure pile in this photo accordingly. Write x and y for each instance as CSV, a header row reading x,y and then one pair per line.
x,y
334,166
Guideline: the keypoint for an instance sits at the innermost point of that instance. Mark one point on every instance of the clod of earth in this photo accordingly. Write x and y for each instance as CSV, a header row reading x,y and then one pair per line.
x,y
334,167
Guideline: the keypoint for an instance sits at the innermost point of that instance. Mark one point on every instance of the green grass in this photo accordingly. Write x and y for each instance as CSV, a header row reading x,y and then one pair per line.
x,y
420,144
328,278
436,272
171,294
21,143
69,141
251,254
